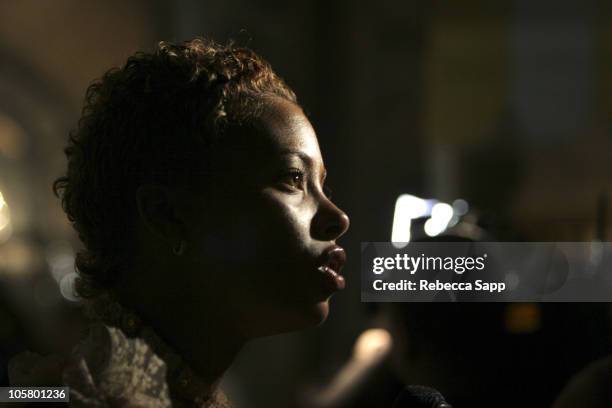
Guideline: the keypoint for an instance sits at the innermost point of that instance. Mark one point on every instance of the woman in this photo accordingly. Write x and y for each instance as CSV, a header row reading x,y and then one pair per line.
x,y
196,184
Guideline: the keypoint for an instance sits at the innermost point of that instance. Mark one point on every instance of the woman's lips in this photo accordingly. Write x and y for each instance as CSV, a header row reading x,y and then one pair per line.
x,y
332,262
336,281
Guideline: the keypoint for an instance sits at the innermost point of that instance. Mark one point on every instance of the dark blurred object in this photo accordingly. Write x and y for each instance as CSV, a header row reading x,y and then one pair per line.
x,y
590,388
418,396
473,353
11,335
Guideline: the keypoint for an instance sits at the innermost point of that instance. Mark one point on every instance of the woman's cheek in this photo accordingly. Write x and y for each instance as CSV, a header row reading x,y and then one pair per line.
x,y
289,216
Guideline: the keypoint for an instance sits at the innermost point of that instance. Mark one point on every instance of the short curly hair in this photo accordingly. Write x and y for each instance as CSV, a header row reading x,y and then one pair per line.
x,y
157,118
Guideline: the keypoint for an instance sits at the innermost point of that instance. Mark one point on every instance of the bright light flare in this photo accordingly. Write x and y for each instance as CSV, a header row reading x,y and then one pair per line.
x,y
5,220
460,207
441,214
407,208
372,343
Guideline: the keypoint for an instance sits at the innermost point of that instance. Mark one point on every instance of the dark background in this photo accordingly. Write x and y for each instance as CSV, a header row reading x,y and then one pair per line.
x,y
506,104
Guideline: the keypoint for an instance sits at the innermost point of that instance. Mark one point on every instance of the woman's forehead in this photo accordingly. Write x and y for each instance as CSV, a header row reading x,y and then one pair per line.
x,y
283,128
281,132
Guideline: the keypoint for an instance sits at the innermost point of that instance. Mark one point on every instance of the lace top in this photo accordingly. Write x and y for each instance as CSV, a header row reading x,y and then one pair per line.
x,y
122,364
111,370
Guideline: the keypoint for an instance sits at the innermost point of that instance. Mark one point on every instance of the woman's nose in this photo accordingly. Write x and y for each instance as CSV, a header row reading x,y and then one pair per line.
x,y
330,222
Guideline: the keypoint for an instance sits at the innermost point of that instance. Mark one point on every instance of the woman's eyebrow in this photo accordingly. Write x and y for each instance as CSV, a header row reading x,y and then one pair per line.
x,y
305,158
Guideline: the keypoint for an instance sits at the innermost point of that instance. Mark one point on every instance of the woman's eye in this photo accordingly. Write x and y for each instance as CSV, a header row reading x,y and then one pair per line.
x,y
295,178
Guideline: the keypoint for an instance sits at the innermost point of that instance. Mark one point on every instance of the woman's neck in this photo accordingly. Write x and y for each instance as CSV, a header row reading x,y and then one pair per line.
x,y
197,347
208,344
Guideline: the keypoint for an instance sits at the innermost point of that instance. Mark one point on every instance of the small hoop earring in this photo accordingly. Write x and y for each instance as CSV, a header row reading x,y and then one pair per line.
x,y
179,249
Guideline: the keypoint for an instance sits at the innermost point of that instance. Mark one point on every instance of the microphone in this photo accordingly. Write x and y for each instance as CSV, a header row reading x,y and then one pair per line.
x,y
419,396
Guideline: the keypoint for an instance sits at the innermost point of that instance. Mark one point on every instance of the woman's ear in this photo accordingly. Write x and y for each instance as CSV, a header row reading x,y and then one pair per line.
x,y
159,211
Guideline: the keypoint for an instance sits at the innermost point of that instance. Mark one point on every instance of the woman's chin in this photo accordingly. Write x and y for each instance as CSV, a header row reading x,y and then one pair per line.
x,y
287,318
306,316
320,311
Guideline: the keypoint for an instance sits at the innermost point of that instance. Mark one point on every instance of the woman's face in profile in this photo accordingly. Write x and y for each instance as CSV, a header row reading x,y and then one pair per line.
x,y
262,245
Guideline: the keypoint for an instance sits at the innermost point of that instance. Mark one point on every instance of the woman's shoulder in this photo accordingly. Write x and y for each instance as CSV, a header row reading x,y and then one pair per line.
x,y
105,369
119,370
